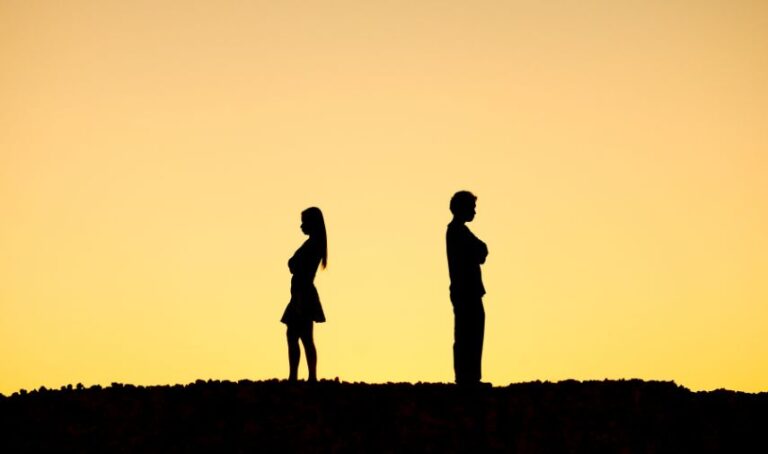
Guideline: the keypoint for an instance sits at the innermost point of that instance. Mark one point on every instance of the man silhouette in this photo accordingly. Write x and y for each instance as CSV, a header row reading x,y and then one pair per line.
x,y
465,255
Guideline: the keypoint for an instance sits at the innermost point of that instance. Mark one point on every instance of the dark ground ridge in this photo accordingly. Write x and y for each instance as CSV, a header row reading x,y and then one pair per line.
x,y
625,416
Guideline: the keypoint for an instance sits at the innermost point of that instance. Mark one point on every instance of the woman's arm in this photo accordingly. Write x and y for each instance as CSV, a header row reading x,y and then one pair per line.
x,y
306,259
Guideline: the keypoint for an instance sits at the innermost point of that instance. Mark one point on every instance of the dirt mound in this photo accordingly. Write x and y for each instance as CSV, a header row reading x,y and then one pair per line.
x,y
274,416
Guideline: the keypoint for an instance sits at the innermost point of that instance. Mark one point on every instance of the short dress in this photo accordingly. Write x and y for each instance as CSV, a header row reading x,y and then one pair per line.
x,y
305,302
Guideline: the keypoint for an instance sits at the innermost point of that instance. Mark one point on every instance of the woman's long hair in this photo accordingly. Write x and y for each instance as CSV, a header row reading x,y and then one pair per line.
x,y
316,223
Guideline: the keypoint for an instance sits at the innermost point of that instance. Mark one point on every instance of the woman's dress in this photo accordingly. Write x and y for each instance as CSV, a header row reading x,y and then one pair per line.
x,y
305,302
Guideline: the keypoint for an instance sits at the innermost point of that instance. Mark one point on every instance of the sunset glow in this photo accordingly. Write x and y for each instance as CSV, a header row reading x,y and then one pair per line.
x,y
155,157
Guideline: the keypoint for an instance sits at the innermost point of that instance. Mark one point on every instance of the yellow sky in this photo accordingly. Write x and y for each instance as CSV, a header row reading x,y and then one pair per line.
x,y
155,157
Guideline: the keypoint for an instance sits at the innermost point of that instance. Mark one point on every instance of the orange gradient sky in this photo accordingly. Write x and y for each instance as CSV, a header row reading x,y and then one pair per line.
x,y
155,157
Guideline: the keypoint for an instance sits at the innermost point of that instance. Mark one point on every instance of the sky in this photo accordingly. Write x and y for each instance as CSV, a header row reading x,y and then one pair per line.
x,y
155,157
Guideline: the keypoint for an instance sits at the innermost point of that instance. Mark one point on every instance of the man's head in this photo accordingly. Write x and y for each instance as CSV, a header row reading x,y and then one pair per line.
x,y
463,206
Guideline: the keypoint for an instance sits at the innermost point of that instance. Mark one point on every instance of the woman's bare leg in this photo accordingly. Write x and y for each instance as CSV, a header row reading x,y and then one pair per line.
x,y
308,341
294,354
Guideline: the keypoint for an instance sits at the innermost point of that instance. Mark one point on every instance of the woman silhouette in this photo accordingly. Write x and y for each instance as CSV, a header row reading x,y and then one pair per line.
x,y
304,308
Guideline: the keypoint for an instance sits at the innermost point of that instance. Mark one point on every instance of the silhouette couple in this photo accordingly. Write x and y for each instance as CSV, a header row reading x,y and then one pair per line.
x,y
465,255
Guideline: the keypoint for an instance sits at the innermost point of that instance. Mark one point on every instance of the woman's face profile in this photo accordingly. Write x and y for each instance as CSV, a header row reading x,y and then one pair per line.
x,y
304,224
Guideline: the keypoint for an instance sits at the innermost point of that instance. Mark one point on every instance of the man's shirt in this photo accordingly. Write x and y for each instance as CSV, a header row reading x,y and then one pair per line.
x,y
465,254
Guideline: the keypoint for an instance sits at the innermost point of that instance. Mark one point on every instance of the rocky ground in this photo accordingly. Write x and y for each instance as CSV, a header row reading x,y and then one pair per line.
x,y
630,416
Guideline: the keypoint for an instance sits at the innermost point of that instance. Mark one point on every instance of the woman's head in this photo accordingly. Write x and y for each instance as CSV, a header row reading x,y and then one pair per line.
x,y
313,224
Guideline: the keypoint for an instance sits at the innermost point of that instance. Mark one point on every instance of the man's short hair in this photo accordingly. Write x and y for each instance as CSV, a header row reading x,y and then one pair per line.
x,y
462,199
